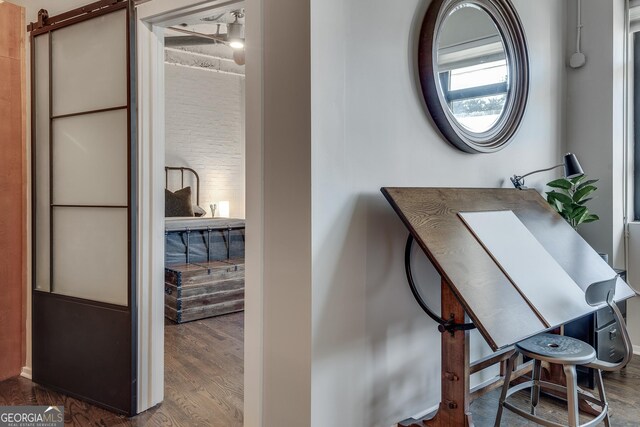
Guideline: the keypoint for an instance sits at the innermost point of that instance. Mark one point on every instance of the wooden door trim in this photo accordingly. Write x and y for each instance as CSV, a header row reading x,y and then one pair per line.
x,y
14,157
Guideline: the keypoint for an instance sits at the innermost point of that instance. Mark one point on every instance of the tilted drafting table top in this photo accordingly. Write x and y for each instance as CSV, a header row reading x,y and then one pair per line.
x,y
496,307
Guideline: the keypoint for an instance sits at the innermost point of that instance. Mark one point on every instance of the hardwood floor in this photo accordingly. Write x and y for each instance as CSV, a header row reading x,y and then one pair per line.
x,y
621,389
203,381
204,386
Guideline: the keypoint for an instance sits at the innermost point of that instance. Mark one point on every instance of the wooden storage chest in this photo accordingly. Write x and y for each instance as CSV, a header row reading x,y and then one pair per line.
x,y
198,290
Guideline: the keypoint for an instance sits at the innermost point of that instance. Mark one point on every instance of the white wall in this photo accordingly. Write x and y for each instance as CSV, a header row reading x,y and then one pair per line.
x,y
376,356
595,132
204,113
278,251
595,117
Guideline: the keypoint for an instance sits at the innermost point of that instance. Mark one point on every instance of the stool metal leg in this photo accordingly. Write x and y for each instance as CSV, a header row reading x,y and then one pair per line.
x,y
572,395
603,396
505,387
535,390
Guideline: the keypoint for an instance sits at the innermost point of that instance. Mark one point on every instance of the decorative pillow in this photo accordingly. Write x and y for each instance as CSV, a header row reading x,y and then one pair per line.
x,y
178,203
198,211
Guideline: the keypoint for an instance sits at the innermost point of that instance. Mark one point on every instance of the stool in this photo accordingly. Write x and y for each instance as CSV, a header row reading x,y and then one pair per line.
x,y
568,352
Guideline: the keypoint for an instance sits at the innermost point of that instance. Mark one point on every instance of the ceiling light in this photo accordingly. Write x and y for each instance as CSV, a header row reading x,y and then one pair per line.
x,y
235,34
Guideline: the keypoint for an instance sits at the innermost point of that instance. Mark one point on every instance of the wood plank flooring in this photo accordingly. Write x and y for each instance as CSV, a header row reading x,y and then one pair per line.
x,y
204,386
203,381
621,389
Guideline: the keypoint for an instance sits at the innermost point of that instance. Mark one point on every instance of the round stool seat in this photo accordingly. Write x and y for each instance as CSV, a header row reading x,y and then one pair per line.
x,y
557,349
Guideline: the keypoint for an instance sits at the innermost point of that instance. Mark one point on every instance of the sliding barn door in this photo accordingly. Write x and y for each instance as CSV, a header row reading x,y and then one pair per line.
x,y
83,155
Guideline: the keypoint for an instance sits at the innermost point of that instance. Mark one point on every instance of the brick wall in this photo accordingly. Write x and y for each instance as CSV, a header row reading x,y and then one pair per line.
x,y
205,131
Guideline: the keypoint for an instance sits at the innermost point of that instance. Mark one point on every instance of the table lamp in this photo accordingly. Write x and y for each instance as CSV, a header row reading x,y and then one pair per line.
x,y
571,165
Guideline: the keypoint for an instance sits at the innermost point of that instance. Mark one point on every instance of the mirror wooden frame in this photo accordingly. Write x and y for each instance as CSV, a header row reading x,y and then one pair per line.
x,y
506,19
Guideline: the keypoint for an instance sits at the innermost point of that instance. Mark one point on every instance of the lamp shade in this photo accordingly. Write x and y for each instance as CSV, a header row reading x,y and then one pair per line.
x,y
223,207
572,167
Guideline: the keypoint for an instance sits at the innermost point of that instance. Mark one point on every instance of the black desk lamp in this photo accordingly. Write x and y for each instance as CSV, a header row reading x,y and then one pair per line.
x,y
571,165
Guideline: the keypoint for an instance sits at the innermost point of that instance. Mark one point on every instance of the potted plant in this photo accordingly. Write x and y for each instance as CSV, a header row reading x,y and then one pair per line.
x,y
569,198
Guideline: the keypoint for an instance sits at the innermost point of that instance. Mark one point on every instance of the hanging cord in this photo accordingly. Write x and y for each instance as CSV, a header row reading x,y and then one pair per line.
x,y
578,59
579,28
443,325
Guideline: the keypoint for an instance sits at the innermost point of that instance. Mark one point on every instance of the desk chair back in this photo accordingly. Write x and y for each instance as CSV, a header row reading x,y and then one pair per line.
x,y
603,292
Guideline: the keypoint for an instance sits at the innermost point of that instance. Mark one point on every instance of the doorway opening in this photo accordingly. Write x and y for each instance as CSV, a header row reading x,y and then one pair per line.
x,y
204,213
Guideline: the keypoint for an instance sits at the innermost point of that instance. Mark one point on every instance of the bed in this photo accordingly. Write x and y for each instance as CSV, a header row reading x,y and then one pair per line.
x,y
196,240
204,260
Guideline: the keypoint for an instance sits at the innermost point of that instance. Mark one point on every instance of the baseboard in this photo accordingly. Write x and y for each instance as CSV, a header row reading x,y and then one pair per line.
x,y
426,412
26,372
636,350
417,417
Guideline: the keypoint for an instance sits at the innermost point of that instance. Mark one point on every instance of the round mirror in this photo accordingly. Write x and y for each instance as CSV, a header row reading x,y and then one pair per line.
x,y
474,72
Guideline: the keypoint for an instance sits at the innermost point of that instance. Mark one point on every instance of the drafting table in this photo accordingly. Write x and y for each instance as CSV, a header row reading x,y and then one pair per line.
x,y
482,280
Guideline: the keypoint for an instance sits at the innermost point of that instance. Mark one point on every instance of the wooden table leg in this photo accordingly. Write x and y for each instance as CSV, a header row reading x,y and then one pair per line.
x,y
454,407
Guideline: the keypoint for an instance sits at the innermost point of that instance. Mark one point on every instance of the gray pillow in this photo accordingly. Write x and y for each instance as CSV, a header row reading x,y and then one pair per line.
x,y
178,203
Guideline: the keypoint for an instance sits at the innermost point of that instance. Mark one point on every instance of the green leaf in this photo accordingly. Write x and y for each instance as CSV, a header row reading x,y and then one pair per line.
x,y
558,206
590,218
578,213
581,219
577,179
570,197
560,183
562,198
583,192
550,197
588,182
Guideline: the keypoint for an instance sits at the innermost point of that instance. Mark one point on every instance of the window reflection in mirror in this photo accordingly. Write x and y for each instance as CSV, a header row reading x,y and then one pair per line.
x,y
473,69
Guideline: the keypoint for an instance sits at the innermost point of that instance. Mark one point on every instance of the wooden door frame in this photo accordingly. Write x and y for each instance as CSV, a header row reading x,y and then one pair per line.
x,y
14,333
